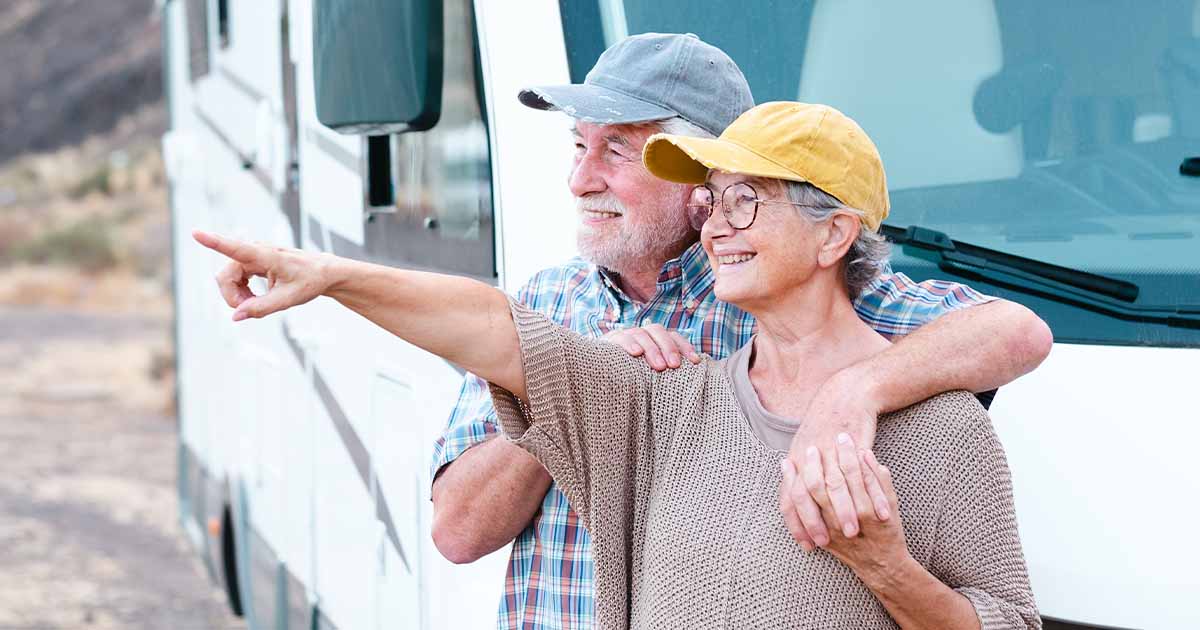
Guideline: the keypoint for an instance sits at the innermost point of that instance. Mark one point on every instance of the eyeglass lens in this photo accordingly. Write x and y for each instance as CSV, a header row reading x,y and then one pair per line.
x,y
738,203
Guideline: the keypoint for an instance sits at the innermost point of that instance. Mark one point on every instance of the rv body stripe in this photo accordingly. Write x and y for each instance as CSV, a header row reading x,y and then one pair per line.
x,y
241,84
247,160
334,150
341,246
354,447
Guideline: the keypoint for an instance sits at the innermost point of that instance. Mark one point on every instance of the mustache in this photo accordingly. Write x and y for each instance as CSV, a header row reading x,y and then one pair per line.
x,y
599,203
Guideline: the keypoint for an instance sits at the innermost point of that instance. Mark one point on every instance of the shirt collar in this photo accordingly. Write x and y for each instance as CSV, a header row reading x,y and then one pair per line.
x,y
690,271
697,276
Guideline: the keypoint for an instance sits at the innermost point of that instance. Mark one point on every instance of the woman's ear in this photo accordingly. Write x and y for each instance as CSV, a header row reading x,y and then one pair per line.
x,y
840,234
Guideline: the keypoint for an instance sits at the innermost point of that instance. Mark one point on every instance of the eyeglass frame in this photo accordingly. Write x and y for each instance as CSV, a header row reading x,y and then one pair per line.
x,y
725,208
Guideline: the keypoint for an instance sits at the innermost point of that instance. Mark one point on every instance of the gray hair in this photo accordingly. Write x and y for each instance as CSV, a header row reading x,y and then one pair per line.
x,y
867,256
678,126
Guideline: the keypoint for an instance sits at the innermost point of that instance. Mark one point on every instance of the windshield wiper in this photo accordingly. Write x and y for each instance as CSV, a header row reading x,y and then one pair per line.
x,y
1090,291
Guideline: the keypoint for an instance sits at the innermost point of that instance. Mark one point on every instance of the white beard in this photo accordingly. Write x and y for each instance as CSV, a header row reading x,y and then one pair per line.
x,y
626,247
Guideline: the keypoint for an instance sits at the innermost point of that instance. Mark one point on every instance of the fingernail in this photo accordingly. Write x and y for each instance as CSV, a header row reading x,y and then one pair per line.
x,y
806,546
812,451
884,513
821,540
848,530
843,438
238,316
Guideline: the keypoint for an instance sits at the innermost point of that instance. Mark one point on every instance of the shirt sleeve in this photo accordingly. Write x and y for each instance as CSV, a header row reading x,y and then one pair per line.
x,y
978,550
472,422
587,417
473,419
895,305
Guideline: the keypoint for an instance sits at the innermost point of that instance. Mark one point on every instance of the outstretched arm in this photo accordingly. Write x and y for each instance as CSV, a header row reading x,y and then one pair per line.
x,y
463,321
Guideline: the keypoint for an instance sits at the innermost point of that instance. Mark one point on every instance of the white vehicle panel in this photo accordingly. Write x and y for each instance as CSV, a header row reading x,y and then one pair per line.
x,y
1100,441
532,150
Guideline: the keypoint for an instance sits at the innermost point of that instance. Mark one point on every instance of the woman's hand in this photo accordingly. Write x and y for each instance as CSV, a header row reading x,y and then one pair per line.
x,y
661,348
879,547
293,276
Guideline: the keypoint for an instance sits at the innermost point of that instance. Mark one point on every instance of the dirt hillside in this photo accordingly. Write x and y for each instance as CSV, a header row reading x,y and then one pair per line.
x,y
74,69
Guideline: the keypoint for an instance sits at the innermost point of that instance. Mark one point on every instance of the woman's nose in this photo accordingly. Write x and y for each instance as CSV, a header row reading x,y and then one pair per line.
x,y
717,225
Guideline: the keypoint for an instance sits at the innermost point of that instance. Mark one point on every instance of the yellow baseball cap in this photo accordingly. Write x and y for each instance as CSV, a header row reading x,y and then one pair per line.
x,y
797,142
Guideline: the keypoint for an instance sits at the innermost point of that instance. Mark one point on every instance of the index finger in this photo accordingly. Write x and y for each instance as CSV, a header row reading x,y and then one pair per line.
x,y
839,496
847,457
884,475
623,339
685,347
791,516
233,248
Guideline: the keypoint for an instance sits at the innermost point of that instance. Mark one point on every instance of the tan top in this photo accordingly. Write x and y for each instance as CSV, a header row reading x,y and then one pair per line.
x,y
681,499
773,430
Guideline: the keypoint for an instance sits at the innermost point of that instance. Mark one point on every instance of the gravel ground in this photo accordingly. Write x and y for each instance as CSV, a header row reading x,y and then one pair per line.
x,y
89,532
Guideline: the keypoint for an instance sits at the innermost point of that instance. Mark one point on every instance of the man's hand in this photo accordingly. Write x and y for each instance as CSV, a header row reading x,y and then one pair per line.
x,y
879,546
843,405
661,348
293,276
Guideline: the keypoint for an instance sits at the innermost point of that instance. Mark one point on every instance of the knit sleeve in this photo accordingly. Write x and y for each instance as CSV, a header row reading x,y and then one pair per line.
x,y
978,549
587,419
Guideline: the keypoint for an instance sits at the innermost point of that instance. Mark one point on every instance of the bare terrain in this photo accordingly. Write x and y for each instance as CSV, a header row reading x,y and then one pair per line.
x,y
89,531
88,511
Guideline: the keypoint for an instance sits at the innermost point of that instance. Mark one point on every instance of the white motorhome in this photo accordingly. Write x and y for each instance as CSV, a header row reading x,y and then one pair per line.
x,y
1036,150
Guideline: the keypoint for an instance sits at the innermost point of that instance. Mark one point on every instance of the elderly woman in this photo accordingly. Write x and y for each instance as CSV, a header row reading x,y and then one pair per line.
x,y
677,474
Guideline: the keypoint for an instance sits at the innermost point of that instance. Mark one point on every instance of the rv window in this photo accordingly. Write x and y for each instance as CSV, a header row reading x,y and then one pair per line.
x,y
223,22
378,64
442,216
1046,130
197,26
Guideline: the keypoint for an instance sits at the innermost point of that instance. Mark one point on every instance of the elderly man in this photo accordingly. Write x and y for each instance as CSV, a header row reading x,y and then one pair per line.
x,y
640,274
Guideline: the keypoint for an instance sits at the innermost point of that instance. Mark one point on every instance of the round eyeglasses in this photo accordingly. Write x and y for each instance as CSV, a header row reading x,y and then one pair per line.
x,y
739,204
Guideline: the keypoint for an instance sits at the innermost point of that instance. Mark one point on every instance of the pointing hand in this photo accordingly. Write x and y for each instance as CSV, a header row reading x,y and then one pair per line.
x,y
293,276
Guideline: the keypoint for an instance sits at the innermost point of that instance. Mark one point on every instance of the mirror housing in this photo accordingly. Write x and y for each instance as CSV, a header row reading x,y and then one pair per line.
x,y
377,65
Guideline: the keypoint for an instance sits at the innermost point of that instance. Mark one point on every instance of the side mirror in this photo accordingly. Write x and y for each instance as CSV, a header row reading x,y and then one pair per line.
x,y
378,65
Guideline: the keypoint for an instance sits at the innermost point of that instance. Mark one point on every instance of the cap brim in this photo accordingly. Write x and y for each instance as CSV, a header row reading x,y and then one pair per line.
x,y
593,104
687,160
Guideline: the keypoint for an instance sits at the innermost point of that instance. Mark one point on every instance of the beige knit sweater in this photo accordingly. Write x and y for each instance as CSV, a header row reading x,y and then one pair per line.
x,y
681,499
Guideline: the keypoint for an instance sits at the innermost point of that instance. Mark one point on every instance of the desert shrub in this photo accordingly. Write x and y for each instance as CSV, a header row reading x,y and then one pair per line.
x,y
88,244
99,181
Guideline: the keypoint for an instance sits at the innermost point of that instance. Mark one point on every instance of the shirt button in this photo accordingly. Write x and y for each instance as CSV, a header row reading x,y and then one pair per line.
x,y
690,304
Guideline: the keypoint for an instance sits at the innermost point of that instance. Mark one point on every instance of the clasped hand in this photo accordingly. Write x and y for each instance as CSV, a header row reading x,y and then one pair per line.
x,y
827,502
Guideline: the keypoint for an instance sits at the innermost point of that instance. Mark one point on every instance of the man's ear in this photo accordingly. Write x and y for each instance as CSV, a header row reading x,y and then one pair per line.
x,y
840,234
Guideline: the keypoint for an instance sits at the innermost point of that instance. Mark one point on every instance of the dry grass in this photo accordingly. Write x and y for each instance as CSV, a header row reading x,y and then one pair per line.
x,y
88,229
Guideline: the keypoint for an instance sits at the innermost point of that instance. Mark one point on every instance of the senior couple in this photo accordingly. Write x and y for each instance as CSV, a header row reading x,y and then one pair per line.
x,y
821,466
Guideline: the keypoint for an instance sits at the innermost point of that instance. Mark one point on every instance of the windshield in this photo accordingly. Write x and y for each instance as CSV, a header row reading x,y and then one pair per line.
x,y
1050,130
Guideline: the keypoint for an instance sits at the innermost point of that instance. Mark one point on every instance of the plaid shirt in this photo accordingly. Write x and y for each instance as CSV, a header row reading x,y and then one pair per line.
x,y
550,573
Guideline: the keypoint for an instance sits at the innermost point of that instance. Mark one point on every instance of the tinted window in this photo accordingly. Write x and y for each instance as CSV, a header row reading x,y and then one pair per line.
x,y
1053,131
442,180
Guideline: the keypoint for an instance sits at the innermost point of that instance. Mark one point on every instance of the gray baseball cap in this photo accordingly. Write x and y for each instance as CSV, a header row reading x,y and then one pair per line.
x,y
653,76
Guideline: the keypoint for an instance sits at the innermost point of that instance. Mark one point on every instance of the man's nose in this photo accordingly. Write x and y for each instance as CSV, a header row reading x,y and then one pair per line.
x,y
586,177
